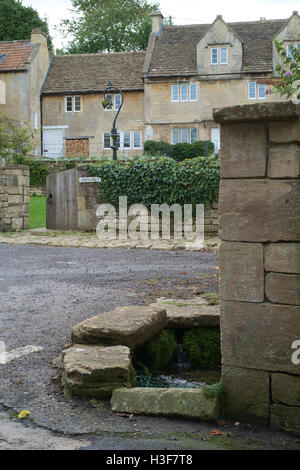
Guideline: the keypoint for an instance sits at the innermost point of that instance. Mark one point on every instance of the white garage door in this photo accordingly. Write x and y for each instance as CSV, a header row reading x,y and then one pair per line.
x,y
53,143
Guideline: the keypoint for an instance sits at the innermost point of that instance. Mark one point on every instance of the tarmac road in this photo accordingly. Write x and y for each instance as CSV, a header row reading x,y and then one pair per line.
x,y
44,292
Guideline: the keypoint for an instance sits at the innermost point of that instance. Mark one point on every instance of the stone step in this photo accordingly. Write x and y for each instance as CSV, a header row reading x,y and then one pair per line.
x,y
95,371
189,313
130,326
182,402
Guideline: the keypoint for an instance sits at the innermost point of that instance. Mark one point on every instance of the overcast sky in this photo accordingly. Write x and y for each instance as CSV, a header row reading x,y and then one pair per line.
x,y
182,11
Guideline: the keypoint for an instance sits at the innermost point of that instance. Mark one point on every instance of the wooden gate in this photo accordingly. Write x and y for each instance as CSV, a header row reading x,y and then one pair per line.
x,y
62,207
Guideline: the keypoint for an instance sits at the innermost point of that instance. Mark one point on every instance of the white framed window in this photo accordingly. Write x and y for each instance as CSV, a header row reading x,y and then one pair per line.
x,y
175,136
193,92
184,92
106,140
252,90
126,140
224,55
175,93
289,50
214,56
193,135
184,136
77,104
110,106
117,101
261,91
69,104
137,140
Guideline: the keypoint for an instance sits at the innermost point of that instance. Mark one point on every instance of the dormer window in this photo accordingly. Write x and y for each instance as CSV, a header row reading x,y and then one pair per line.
x,y
219,55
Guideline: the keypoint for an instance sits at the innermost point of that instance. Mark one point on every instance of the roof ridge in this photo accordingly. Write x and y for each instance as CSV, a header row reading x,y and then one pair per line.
x,y
227,22
105,54
15,41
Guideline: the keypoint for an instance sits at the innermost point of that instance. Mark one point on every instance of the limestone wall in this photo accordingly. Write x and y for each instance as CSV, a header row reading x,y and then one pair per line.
x,y
14,198
259,215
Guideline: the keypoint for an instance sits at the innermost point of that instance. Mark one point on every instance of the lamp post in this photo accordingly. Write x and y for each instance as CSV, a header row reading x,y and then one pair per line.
x,y
110,89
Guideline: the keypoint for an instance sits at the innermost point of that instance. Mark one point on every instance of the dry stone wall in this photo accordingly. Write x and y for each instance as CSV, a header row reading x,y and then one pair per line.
x,y
14,198
259,216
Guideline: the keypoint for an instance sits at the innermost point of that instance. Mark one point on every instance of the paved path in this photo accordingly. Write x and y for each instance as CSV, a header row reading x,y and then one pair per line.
x,y
44,292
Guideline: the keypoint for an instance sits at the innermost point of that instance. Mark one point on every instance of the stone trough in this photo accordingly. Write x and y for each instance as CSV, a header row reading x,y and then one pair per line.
x,y
99,364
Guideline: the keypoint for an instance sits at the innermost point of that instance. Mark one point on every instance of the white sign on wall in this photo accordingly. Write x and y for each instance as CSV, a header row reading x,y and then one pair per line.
x,y
90,179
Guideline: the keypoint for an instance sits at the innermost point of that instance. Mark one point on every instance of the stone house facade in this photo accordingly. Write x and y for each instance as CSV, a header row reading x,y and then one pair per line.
x,y
23,68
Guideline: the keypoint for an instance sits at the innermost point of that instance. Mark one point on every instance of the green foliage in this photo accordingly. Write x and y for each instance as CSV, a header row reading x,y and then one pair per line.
x,y
179,152
289,71
203,346
17,22
159,352
108,26
15,140
194,181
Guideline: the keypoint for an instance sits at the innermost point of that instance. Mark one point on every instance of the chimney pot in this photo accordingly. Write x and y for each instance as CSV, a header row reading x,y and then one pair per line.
x,y
157,18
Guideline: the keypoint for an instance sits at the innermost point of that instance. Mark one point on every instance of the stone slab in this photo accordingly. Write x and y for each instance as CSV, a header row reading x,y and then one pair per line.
x,y
247,394
284,162
185,403
283,288
285,418
259,336
284,131
186,316
95,371
282,111
130,326
244,150
259,210
283,257
242,272
286,389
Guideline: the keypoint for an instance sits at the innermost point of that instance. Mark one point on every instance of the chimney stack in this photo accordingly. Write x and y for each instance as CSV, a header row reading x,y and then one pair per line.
x,y
157,18
38,37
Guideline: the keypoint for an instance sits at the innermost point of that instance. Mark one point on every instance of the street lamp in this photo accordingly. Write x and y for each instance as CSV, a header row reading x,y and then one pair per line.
x,y
108,102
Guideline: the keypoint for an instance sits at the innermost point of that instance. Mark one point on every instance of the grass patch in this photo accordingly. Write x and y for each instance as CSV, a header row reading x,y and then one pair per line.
x,y
37,212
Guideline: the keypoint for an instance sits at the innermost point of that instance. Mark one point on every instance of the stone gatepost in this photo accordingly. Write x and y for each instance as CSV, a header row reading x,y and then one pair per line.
x,y
14,198
259,216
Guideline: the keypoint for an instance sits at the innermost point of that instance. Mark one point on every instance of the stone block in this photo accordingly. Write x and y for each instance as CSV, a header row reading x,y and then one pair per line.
x,y
286,389
95,371
283,288
12,189
260,210
244,150
284,162
130,326
283,257
259,336
187,315
242,272
247,394
284,131
285,418
17,223
185,403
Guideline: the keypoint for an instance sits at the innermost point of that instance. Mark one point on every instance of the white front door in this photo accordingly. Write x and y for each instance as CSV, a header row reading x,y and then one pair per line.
x,y
53,143
215,138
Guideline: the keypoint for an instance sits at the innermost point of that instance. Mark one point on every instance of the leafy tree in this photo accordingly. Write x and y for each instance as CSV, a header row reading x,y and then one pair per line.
x,y
289,71
108,25
15,140
17,21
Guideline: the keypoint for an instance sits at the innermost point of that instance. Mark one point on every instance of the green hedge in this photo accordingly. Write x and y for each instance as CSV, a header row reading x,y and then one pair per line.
x,y
179,152
194,181
39,169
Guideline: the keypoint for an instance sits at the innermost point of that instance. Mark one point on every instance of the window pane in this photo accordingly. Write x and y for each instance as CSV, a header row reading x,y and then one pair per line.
x,y
224,55
184,136
77,103
175,136
109,98
106,140
261,90
118,140
126,139
193,135
69,103
193,92
289,51
184,92
137,140
117,101
175,92
214,55
252,90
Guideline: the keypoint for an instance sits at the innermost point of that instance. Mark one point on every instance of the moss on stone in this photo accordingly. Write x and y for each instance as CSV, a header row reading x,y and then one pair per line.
x,y
203,346
159,352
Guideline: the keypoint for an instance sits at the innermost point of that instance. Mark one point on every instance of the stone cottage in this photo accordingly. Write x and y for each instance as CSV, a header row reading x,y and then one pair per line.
x,y
23,68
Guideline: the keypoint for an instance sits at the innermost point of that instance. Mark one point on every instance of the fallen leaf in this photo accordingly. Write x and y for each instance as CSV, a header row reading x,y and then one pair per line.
x,y
182,272
123,415
204,438
217,432
131,417
23,414
237,423
221,422
217,268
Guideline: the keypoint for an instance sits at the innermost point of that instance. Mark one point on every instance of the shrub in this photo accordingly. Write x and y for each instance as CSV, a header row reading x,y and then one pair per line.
x,y
203,346
179,152
152,147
